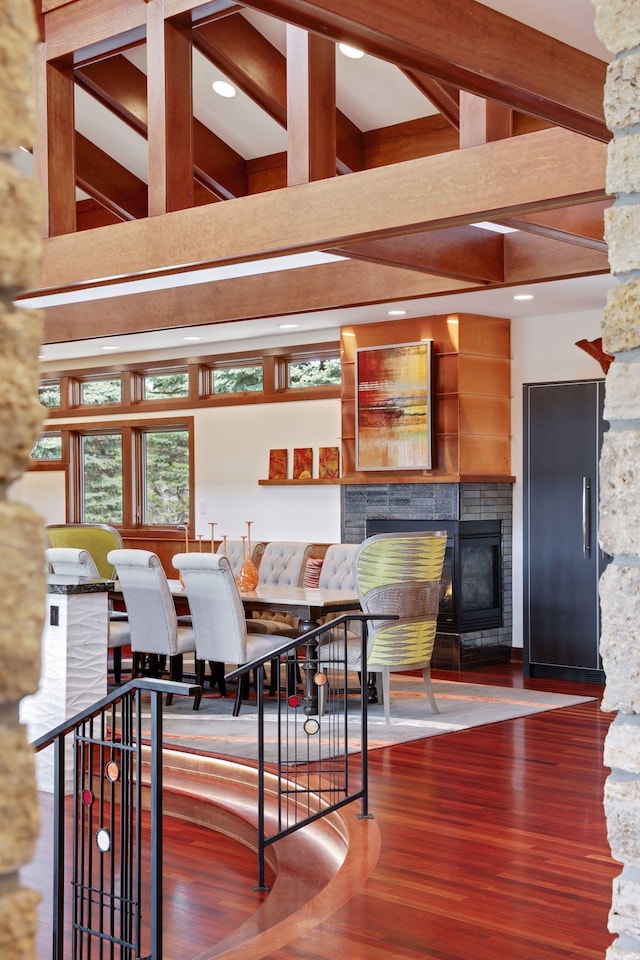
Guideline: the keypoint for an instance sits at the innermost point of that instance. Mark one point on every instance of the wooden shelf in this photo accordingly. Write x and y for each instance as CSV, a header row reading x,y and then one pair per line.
x,y
297,483
363,480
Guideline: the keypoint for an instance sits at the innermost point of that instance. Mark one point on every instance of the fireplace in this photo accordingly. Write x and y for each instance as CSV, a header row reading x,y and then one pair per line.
x,y
471,584
475,620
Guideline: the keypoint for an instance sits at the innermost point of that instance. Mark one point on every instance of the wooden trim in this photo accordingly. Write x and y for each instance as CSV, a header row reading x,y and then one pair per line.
x,y
538,171
130,431
199,373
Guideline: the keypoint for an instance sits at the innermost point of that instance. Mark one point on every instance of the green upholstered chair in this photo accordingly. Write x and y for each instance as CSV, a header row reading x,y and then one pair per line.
x,y
397,573
97,538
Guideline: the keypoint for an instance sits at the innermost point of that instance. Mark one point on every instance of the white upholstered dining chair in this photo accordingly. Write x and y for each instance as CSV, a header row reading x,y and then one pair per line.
x,y
153,623
218,615
283,563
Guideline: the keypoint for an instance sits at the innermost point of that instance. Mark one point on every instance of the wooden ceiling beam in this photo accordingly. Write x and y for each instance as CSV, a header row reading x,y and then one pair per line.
x,y
248,60
482,121
529,258
170,112
92,214
121,87
546,78
347,283
462,253
324,287
117,84
552,81
259,69
583,224
90,29
539,171
112,185
311,107
444,97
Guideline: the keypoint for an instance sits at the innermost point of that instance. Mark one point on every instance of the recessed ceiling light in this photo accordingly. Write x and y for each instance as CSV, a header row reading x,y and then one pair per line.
x,y
108,348
224,89
348,51
288,326
523,296
396,313
192,338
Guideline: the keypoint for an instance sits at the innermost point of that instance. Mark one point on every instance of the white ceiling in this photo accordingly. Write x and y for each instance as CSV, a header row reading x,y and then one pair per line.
x,y
373,94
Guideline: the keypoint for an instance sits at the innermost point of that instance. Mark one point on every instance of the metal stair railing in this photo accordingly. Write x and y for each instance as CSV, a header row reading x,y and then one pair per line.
x,y
321,760
109,900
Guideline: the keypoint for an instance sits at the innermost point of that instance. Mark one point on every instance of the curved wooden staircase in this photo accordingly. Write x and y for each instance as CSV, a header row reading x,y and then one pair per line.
x,y
315,870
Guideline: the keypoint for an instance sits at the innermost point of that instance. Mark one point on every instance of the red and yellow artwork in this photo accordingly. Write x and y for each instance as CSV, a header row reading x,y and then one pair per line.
x,y
393,407
329,463
302,463
278,464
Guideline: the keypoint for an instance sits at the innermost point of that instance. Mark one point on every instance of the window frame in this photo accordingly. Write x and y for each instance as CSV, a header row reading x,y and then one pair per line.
x,y
131,432
62,462
301,357
200,371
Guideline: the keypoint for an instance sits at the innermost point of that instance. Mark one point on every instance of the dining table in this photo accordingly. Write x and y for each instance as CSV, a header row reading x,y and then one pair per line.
x,y
309,604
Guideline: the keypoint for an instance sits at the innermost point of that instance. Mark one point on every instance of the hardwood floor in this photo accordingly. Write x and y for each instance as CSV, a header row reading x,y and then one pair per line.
x,y
493,844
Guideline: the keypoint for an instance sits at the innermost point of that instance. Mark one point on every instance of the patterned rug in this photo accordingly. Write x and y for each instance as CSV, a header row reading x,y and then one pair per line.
x,y
214,730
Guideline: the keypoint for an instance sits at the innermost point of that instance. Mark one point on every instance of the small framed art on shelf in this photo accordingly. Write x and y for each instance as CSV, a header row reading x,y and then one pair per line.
x,y
278,464
329,463
302,463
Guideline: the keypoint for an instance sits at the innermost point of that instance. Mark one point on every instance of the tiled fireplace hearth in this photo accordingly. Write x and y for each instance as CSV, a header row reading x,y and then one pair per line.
x,y
457,647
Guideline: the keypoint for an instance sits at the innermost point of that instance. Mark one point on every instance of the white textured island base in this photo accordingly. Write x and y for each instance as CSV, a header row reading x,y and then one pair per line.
x,y
74,673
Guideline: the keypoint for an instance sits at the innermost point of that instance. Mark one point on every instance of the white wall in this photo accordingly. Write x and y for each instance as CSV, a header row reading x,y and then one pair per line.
x,y
232,453
44,490
543,351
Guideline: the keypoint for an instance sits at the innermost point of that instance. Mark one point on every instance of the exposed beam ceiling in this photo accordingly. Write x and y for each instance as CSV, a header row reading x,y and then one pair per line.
x,y
403,209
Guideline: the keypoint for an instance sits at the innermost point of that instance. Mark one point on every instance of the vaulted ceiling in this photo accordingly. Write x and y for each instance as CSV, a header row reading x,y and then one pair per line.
x,y
326,182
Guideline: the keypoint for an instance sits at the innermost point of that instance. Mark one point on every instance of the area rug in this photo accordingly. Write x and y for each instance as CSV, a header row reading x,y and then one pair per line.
x,y
214,730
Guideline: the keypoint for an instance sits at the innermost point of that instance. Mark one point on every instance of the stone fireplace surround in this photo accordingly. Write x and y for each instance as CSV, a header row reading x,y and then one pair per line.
x,y
443,501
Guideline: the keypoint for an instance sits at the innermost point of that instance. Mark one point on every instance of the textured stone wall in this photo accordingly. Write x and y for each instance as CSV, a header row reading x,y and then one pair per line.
x,y
618,25
21,531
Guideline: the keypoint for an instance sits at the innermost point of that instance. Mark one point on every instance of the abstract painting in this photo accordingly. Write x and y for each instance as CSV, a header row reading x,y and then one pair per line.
x,y
393,407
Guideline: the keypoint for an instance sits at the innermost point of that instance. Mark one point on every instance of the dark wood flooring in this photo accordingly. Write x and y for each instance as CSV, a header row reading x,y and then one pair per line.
x,y
493,845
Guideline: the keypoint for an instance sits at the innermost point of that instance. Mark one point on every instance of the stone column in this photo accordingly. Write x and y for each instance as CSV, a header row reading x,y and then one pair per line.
x,y
618,25
21,531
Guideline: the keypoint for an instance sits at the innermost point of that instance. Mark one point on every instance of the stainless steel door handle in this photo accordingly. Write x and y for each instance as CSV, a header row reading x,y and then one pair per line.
x,y
586,517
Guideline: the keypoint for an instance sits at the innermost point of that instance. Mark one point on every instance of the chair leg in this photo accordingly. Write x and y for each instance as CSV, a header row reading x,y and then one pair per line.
x,y
200,683
426,676
136,665
175,673
217,676
117,663
386,693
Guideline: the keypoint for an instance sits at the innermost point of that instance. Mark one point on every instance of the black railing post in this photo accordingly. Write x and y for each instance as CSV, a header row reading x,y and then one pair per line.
x,y
364,699
260,703
58,848
156,825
